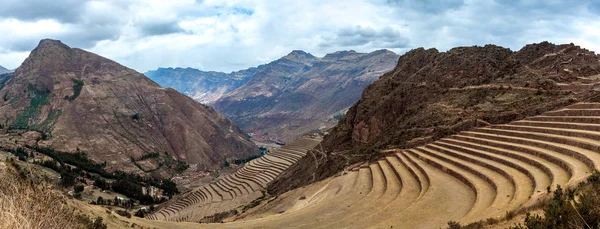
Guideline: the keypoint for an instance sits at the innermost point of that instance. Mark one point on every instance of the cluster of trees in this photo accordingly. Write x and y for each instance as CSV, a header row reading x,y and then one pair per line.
x,y
125,183
128,204
240,161
21,153
167,161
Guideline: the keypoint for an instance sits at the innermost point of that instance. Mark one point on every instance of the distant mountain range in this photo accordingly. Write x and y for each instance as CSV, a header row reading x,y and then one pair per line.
x,y
4,70
203,86
281,100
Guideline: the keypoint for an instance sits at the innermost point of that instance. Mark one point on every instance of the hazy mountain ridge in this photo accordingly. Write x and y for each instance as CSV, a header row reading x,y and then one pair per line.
x,y
86,102
4,70
204,86
301,93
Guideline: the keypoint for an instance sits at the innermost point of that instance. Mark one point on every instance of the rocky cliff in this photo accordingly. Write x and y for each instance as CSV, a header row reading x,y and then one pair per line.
x,y
301,93
431,94
80,101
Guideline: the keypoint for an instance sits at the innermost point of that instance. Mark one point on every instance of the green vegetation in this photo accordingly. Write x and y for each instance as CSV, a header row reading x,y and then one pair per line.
x,y
240,161
166,161
338,117
38,98
177,165
136,116
14,100
77,86
45,126
125,183
263,150
97,224
570,208
181,166
149,155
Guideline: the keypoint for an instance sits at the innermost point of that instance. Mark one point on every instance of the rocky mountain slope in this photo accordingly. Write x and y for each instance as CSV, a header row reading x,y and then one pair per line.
x,y
301,93
203,86
431,94
80,101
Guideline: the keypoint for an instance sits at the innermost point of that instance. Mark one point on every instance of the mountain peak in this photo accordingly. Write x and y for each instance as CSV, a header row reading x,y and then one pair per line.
x,y
340,54
299,56
48,52
51,44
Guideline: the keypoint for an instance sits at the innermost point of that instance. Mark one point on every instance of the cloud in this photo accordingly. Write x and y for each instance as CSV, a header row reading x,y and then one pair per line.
x,y
32,10
227,35
160,28
427,6
386,37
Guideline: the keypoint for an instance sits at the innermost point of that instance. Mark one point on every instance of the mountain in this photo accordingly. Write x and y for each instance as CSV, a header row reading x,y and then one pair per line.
x,y
300,93
203,86
82,102
4,70
432,94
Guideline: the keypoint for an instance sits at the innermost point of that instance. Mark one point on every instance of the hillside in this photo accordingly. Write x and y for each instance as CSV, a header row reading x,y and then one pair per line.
x,y
487,177
203,86
74,100
301,93
431,94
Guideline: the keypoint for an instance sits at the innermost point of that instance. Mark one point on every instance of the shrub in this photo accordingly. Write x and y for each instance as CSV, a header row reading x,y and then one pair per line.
x,y
77,86
124,213
97,224
136,116
566,211
78,188
453,225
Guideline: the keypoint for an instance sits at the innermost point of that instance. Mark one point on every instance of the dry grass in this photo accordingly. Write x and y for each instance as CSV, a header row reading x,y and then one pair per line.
x,y
24,204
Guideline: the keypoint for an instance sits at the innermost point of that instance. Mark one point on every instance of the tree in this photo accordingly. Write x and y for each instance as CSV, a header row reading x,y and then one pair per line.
x,y
97,224
100,201
78,188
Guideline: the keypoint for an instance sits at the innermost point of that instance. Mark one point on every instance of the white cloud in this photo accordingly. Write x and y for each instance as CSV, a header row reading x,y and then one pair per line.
x,y
234,34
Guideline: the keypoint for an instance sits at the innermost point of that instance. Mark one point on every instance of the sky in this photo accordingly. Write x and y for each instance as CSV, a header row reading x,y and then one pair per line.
x,y
229,35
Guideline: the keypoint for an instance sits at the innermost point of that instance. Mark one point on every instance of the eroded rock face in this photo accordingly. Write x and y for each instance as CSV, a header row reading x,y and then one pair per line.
x,y
87,102
431,94
301,93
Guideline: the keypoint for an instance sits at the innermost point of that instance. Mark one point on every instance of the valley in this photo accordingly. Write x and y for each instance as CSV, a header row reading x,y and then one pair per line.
x,y
284,99
255,114
451,149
